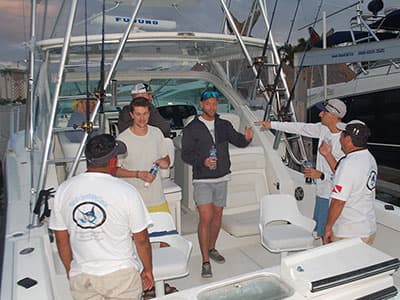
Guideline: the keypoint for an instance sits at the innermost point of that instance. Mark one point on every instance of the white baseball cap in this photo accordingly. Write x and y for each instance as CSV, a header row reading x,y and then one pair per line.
x,y
358,131
333,106
141,88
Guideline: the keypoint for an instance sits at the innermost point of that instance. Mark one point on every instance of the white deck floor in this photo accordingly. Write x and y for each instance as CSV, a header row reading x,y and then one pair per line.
x,y
243,255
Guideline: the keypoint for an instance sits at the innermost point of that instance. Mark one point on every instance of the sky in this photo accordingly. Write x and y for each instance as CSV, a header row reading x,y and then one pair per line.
x,y
15,19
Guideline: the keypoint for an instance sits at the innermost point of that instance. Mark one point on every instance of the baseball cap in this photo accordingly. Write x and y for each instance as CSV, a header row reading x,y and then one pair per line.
x,y
101,148
141,88
333,106
358,131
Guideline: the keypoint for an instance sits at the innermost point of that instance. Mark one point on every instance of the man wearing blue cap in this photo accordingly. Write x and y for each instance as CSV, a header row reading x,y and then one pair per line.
x,y
331,113
205,147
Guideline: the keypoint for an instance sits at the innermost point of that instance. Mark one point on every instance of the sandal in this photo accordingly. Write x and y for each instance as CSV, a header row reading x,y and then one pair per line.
x,y
149,294
169,289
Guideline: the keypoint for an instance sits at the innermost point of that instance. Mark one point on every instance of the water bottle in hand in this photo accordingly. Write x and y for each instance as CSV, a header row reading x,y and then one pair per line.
x,y
153,171
308,164
213,156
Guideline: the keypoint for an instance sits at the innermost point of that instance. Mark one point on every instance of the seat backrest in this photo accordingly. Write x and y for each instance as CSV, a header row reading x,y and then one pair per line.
x,y
162,222
233,118
165,173
283,207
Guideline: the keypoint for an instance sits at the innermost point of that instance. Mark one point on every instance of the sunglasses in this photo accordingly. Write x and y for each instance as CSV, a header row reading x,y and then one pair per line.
x,y
331,106
207,95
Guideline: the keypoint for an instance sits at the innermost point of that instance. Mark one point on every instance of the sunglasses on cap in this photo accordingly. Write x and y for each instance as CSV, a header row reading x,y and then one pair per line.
x,y
207,95
326,103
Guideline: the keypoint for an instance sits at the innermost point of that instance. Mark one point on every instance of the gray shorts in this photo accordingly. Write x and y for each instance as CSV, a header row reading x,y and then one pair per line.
x,y
210,192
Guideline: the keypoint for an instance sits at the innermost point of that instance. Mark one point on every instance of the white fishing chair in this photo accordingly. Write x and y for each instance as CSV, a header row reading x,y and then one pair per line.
x,y
168,262
282,227
172,191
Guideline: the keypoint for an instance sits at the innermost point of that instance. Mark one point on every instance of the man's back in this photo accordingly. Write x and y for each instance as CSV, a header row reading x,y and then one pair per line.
x,y
100,212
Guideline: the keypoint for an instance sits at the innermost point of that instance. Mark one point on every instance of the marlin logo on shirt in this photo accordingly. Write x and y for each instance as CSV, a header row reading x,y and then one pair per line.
x,y
89,215
337,189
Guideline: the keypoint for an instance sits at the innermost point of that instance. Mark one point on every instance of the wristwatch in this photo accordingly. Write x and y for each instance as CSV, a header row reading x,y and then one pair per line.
x,y
322,177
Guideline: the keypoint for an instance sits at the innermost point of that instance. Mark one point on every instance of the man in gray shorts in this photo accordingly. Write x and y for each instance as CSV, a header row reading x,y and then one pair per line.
x,y
205,146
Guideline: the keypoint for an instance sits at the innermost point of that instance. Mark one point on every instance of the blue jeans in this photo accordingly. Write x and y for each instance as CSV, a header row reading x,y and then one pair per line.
x,y
321,210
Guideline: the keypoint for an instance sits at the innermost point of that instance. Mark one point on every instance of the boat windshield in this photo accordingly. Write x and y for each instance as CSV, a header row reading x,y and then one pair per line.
x,y
179,64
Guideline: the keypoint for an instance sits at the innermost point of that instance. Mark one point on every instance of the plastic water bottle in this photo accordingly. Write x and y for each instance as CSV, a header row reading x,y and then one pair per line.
x,y
153,171
308,164
213,155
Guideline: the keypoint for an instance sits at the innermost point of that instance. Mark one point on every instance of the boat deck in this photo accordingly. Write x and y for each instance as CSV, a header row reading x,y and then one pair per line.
x,y
243,255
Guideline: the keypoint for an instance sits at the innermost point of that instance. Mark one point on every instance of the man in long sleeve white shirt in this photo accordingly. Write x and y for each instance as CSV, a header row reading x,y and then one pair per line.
x,y
332,112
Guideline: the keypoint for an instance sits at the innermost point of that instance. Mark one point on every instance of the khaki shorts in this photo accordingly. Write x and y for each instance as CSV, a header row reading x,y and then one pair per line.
x,y
122,284
368,240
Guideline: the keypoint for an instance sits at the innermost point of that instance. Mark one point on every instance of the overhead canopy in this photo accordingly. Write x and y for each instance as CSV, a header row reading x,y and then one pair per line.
x,y
341,37
389,22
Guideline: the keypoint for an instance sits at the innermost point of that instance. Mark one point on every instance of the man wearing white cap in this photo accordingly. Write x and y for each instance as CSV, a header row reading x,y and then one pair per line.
x,y
331,112
142,90
352,212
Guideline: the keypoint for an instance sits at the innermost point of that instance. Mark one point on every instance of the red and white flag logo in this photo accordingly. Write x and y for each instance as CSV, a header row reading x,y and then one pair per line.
x,y
337,189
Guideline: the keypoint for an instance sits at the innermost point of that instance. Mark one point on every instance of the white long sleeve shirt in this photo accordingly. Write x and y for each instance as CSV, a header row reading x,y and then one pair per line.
x,y
322,133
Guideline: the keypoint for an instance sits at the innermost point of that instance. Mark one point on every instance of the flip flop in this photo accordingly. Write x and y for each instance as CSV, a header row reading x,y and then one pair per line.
x,y
149,294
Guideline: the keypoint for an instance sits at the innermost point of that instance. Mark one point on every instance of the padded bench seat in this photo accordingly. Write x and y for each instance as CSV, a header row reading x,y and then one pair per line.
x,y
242,224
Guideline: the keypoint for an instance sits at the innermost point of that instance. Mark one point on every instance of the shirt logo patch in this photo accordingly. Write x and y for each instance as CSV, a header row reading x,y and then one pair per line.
x,y
337,189
371,183
89,215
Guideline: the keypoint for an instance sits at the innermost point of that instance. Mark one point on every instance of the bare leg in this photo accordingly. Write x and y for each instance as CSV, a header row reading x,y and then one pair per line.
x,y
215,226
206,213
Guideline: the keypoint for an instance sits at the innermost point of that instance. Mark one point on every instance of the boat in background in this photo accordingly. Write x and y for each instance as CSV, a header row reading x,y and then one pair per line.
x,y
103,66
370,48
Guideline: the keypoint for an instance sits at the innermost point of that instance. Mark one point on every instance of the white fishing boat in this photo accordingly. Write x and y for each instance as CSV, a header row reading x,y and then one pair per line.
x,y
179,66
370,48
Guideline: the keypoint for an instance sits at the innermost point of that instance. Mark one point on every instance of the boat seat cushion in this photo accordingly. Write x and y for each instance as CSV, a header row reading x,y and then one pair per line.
x,y
286,237
168,263
241,224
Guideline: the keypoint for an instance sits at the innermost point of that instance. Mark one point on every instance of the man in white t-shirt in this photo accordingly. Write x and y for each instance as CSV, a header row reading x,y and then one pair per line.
x,y
352,212
331,112
146,146
94,218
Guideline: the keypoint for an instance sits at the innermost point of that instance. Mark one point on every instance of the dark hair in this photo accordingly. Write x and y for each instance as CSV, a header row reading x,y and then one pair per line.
x,y
139,101
100,149
359,134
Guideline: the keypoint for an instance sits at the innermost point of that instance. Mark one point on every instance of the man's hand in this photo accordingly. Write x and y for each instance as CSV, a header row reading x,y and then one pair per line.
x,y
328,235
325,148
147,280
163,162
312,173
210,163
146,176
264,124
248,133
